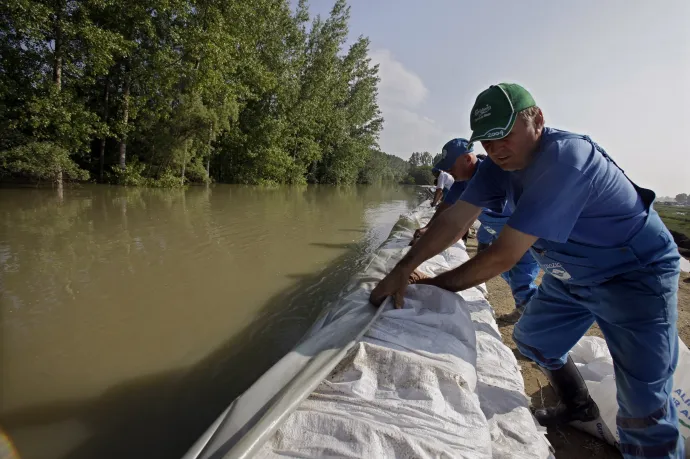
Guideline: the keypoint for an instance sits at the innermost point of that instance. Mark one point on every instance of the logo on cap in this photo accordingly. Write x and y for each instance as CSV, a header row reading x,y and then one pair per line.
x,y
494,134
481,113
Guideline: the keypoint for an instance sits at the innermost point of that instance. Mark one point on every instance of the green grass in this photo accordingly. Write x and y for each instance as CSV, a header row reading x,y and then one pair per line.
x,y
673,219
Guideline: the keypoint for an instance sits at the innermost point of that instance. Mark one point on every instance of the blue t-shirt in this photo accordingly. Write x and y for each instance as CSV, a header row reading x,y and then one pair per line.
x,y
455,192
570,191
459,187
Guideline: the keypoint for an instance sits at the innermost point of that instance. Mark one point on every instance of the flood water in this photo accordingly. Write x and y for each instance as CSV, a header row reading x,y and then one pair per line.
x,y
130,318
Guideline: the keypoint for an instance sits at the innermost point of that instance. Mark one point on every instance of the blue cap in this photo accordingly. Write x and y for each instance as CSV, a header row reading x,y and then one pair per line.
x,y
435,170
452,151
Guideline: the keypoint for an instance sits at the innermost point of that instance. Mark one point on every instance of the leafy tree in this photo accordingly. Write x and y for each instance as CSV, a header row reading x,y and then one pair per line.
x,y
51,51
422,175
383,168
415,159
682,198
427,159
137,93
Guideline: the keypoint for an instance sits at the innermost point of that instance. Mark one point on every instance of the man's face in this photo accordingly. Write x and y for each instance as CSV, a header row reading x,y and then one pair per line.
x,y
514,152
463,168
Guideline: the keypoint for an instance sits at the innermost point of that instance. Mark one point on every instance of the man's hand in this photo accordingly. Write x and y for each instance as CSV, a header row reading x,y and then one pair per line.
x,y
437,197
417,234
499,257
394,284
441,234
417,276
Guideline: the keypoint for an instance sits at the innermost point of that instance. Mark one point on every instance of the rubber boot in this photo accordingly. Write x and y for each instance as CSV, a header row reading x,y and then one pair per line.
x,y
576,404
514,316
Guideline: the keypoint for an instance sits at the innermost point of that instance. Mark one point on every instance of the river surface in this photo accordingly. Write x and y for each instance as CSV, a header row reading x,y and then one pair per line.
x,y
130,318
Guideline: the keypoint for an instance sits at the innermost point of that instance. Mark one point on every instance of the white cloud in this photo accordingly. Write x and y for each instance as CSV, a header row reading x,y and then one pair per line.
x,y
398,86
401,93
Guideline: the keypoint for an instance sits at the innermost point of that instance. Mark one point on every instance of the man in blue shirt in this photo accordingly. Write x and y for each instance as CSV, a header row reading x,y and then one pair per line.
x,y
605,252
521,277
461,169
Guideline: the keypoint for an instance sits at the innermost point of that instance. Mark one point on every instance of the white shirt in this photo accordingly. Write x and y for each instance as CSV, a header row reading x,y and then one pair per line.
x,y
445,180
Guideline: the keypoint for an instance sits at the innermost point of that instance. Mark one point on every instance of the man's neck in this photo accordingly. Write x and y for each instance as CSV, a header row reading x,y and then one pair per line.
x,y
473,167
536,146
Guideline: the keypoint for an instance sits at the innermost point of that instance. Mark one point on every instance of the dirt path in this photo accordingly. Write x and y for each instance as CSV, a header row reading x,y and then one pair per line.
x,y
568,442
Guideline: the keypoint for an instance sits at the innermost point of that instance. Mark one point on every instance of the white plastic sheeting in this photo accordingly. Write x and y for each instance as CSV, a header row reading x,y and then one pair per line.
x,y
592,356
684,265
431,380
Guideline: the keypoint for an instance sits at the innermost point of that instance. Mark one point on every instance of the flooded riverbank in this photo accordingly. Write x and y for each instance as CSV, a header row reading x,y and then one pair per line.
x,y
131,317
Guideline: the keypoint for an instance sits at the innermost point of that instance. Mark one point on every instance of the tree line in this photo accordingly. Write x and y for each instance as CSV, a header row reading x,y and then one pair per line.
x,y
168,92
420,165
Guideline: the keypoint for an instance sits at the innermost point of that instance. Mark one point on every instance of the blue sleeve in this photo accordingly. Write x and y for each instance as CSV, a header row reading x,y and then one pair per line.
x,y
552,203
454,193
488,187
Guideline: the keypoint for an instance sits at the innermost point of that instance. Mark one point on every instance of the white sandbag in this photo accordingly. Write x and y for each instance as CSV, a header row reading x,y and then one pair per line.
x,y
407,391
591,354
431,380
684,265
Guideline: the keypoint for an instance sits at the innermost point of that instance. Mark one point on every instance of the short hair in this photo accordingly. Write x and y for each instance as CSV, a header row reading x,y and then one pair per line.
x,y
529,114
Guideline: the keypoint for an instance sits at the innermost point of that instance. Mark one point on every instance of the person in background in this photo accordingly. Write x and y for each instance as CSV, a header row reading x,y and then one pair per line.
x,y
459,160
461,171
444,181
606,254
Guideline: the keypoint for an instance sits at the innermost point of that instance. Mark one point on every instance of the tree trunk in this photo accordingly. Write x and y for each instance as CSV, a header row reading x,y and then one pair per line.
x,y
125,119
58,179
106,96
57,61
57,78
208,160
184,162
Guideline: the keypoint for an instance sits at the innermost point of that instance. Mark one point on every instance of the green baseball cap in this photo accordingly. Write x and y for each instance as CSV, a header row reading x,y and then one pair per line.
x,y
495,111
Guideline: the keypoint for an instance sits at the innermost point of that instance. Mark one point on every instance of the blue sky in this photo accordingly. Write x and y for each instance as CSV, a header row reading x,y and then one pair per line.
x,y
617,70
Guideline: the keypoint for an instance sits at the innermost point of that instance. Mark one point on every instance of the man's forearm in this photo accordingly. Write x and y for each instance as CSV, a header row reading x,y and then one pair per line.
x,y
437,197
484,266
439,210
441,234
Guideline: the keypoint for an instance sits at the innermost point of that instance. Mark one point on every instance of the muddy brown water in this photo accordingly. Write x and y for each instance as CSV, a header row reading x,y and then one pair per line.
x,y
130,318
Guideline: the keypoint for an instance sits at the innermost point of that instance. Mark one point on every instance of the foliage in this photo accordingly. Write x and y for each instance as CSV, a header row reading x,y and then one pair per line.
x,y
166,180
167,92
40,160
383,168
421,175
130,175
682,198
676,218
421,159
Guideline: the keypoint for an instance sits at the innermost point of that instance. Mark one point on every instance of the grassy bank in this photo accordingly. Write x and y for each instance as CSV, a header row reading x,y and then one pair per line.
x,y
675,218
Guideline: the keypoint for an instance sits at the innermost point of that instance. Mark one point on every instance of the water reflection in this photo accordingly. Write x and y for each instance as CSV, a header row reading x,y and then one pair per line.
x,y
131,317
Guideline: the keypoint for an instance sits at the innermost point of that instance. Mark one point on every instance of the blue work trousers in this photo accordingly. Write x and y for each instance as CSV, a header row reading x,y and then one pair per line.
x,y
637,313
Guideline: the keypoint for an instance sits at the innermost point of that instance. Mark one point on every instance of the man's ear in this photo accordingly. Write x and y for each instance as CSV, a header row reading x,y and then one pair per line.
x,y
539,121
